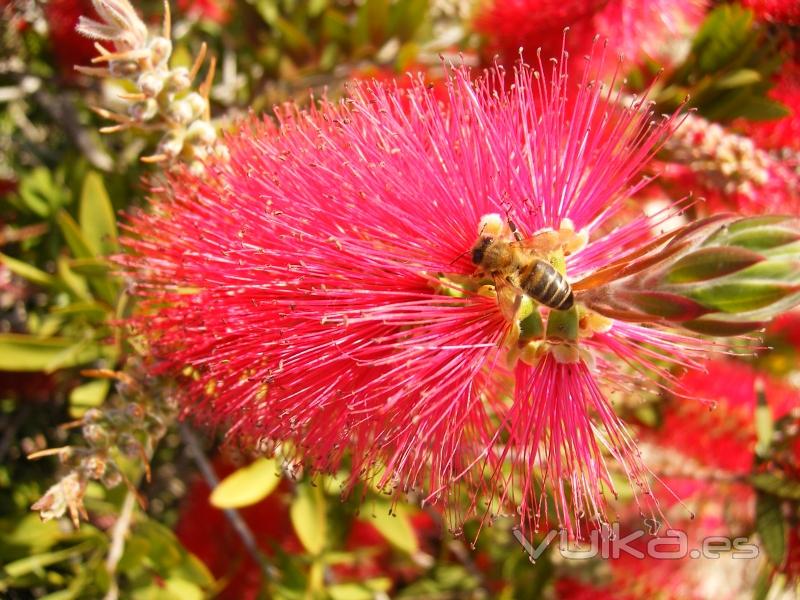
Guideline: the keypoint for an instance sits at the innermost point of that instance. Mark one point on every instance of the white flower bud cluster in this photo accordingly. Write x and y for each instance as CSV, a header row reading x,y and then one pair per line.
x,y
723,160
165,100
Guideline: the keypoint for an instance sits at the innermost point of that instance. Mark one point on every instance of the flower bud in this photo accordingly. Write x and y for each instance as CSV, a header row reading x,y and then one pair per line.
x,y
201,132
178,80
198,104
718,277
144,111
150,84
180,111
171,144
160,51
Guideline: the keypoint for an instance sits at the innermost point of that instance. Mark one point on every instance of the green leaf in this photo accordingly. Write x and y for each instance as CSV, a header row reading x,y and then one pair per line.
x,y
29,272
763,421
777,486
90,267
668,305
763,238
75,238
771,527
377,17
309,519
96,215
743,296
366,590
248,485
20,352
395,526
722,36
739,78
711,262
722,328
73,282
88,395
40,193
758,108
37,562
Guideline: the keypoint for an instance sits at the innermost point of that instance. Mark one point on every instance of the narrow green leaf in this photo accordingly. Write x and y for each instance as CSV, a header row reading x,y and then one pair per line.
x,y
743,296
96,215
771,527
739,78
722,328
90,267
89,395
73,282
757,108
366,590
395,526
37,562
764,238
711,262
309,519
247,485
20,352
664,304
29,272
74,236
777,486
763,421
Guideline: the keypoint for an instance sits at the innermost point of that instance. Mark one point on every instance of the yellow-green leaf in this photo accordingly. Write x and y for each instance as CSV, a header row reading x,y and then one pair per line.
x,y
20,352
75,238
309,519
247,485
395,527
88,395
96,215
28,271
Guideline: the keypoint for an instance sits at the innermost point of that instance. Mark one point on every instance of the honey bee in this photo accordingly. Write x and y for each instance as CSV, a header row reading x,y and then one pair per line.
x,y
520,263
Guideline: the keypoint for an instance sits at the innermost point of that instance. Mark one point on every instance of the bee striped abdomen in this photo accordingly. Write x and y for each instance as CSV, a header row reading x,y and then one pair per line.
x,y
542,282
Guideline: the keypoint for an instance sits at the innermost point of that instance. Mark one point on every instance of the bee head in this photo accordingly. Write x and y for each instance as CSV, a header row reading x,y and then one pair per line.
x,y
479,250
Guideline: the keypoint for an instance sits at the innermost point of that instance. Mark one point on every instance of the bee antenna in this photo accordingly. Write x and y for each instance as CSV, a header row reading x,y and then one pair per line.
x,y
458,257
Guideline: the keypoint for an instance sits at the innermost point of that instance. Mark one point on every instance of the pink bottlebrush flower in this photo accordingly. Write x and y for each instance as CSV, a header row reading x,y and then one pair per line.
x,y
632,27
775,11
316,289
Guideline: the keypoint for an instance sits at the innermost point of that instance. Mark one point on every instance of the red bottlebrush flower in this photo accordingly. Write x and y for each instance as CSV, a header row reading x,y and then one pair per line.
x,y
632,27
69,47
775,11
317,288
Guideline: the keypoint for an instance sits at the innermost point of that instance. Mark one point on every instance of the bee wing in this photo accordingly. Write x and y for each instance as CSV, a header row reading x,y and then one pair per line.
x,y
542,243
509,296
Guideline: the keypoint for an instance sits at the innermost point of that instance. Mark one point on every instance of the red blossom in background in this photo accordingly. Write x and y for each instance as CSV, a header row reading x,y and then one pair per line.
x,y
301,283
775,11
216,11
69,47
631,27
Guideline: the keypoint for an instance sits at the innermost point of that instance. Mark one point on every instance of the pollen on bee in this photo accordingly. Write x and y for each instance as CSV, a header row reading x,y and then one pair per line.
x,y
491,224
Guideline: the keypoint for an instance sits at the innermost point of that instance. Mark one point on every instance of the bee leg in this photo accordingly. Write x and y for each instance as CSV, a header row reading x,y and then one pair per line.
x,y
515,232
517,297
